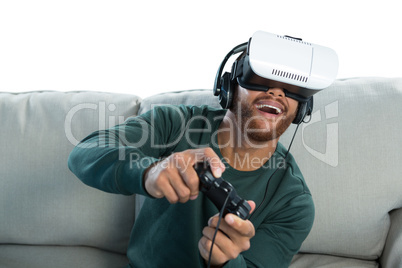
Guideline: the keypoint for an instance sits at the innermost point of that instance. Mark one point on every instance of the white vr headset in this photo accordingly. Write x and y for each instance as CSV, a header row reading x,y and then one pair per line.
x,y
271,60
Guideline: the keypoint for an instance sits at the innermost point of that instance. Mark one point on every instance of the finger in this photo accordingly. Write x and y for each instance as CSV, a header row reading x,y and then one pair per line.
x,y
232,225
191,180
168,192
209,233
175,167
209,155
204,246
223,226
181,190
213,221
242,227
252,205
217,167
223,244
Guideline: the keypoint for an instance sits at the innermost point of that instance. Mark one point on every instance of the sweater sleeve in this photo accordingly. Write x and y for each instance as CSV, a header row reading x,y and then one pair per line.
x,y
280,237
114,160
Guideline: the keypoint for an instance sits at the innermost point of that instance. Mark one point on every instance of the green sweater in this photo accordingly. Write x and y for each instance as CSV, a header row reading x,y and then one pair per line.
x,y
166,235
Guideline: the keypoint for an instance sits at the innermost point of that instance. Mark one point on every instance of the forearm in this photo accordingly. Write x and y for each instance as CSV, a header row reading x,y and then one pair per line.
x,y
104,162
115,160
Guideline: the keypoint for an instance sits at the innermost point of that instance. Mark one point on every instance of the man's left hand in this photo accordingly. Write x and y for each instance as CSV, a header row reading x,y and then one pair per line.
x,y
232,238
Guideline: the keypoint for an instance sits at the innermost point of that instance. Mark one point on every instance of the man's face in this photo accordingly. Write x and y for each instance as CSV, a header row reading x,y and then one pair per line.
x,y
263,116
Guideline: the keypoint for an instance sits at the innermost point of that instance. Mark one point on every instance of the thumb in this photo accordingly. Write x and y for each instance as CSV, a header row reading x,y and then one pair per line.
x,y
252,205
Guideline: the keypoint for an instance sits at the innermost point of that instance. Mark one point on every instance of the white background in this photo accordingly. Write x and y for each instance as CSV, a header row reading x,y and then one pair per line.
x,y
147,47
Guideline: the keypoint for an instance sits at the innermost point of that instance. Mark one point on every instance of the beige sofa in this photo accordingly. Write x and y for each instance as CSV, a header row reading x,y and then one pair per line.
x,y
349,153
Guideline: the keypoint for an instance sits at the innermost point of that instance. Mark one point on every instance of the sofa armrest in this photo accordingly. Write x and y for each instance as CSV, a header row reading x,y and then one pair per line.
x,y
391,256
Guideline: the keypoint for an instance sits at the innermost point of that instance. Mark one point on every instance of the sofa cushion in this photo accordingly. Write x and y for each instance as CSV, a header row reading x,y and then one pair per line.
x,y
41,201
187,97
16,256
349,154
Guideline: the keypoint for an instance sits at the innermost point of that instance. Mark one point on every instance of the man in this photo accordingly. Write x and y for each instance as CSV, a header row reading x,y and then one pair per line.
x,y
153,155
172,235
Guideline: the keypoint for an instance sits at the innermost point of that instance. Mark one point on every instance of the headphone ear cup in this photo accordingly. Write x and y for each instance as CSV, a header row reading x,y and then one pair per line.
x,y
305,108
226,91
301,111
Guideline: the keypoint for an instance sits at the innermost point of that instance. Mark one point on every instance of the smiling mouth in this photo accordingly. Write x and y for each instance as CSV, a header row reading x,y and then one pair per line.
x,y
266,108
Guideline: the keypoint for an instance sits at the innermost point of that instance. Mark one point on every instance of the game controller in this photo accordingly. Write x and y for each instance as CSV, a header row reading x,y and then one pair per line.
x,y
217,190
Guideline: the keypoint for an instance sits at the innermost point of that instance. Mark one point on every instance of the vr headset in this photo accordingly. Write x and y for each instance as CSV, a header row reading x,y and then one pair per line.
x,y
302,69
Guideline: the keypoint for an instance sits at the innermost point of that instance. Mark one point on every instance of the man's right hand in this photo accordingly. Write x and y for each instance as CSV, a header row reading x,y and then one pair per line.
x,y
175,178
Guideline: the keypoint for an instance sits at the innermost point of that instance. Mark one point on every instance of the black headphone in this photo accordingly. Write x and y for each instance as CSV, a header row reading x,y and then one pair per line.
x,y
224,87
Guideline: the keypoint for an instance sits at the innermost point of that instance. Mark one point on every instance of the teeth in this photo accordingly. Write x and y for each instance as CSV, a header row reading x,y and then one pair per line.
x,y
260,106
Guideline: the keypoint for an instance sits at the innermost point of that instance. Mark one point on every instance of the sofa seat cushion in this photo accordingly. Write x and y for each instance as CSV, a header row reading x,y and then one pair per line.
x,y
327,261
41,201
13,256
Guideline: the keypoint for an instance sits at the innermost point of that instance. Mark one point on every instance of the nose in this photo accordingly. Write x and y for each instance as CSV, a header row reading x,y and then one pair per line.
x,y
276,92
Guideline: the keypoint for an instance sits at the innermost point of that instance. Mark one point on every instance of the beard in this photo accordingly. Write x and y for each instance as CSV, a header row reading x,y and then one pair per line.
x,y
256,127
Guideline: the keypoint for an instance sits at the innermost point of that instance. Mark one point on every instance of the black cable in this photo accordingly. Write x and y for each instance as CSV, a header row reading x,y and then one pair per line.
x,y
217,228
269,180
291,142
